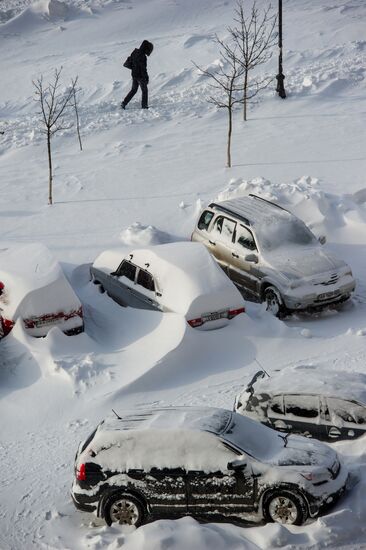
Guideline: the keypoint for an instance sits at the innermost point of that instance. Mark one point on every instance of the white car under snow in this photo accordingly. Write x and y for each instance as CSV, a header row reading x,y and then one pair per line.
x,y
179,277
34,289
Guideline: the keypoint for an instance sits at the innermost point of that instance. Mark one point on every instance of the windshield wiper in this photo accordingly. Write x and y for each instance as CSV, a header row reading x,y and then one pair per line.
x,y
285,438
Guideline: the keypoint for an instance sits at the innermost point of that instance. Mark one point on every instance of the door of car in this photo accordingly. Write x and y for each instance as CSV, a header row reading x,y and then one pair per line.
x,y
120,282
343,419
244,262
220,239
302,414
133,286
221,491
166,491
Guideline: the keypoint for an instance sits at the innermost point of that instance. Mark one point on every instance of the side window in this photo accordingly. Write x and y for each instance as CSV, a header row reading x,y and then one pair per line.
x,y
245,239
128,270
146,280
347,411
226,228
304,406
276,405
218,225
205,220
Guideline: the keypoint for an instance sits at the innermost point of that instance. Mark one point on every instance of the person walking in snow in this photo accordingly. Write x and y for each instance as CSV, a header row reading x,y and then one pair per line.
x,y
137,62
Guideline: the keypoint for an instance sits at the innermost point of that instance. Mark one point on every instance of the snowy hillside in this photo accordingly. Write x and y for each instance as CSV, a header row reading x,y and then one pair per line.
x,y
141,179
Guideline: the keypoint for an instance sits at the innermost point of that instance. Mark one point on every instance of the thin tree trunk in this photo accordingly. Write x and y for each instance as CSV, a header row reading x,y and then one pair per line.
x,y
230,109
77,120
50,176
245,97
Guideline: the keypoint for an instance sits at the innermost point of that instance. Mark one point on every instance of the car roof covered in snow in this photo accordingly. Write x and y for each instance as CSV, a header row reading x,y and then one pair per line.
x,y
208,419
25,268
311,379
252,210
186,275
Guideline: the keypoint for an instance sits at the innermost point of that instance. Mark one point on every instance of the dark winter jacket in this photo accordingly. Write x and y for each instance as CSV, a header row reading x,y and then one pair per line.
x,y
138,61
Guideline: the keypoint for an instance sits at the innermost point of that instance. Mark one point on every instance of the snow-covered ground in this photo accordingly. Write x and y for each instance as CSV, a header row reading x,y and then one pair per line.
x,y
141,179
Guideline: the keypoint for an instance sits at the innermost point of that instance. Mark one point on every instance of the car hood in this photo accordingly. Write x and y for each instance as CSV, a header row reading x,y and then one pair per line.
x,y
301,451
306,262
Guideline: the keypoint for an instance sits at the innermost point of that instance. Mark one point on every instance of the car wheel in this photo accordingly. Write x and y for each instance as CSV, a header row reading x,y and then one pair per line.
x,y
285,507
274,302
124,509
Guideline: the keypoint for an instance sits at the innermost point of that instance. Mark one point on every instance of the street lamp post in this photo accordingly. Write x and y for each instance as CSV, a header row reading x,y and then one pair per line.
x,y
280,77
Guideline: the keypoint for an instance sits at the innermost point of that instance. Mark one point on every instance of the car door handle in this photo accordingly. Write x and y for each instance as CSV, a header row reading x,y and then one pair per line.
x,y
211,242
235,255
334,432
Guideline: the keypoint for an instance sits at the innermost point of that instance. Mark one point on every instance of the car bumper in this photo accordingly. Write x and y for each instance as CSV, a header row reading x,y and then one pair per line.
x,y
84,502
319,299
320,501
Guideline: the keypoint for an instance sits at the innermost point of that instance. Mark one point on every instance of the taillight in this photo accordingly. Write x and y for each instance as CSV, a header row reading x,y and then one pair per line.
x,y
81,473
234,312
7,325
80,312
195,322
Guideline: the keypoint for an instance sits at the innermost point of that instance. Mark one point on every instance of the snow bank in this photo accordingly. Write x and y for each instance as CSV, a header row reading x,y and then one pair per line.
x,y
138,234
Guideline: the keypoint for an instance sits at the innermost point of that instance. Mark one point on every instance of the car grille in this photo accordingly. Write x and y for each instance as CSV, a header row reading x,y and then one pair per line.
x,y
333,279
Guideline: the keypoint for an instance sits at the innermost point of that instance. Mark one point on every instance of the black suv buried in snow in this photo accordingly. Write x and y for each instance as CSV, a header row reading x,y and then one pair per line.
x,y
212,464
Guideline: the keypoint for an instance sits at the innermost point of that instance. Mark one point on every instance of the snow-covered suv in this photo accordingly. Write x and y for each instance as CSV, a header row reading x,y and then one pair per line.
x,y
273,255
209,463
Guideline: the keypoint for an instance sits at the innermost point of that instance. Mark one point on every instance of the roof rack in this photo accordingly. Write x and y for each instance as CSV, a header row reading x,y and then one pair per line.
x,y
228,211
268,202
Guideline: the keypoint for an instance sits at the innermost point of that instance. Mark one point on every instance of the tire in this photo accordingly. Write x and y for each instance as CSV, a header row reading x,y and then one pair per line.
x,y
274,302
125,509
285,507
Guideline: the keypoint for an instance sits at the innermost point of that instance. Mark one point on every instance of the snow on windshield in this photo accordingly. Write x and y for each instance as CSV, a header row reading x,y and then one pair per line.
x,y
275,232
253,438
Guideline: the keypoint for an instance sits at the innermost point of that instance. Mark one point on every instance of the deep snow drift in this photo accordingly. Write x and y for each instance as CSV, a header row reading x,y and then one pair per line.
x,y
141,179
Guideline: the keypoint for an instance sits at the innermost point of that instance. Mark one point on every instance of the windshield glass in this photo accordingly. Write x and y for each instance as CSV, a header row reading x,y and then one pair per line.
x,y
276,232
252,438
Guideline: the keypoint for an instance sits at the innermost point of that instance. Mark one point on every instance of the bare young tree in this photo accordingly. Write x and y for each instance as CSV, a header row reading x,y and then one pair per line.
x,y
255,35
226,85
54,104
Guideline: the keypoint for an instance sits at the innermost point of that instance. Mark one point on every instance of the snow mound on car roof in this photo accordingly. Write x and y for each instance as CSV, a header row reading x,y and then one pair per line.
x,y
25,268
305,379
305,198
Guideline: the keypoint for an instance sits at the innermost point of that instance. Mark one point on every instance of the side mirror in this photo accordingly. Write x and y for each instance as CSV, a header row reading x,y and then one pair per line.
x,y
113,274
322,239
251,258
238,464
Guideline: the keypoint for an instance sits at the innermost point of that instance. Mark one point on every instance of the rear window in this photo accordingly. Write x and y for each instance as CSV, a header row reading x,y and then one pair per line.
x,y
88,440
146,280
205,220
127,269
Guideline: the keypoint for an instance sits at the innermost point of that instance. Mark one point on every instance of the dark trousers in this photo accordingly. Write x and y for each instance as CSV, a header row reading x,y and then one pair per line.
x,y
136,82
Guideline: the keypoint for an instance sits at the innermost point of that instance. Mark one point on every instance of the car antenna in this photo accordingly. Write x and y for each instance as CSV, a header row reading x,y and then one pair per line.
x,y
285,438
262,368
117,415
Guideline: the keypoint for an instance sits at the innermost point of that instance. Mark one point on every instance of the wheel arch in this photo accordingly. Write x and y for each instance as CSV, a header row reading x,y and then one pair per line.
x,y
115,491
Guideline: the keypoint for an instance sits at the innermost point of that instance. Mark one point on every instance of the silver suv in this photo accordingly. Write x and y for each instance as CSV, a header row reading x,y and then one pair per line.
x,y
273,255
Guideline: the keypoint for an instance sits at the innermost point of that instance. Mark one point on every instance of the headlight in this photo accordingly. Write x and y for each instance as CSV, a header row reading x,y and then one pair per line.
x,y
317,477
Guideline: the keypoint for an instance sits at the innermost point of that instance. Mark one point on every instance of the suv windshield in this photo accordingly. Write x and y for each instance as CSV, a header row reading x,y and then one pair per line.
x,y
277,232
252,438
